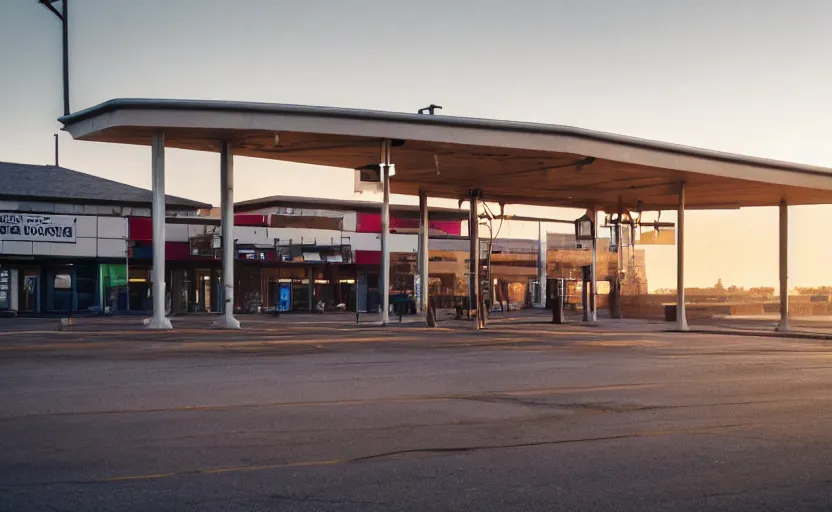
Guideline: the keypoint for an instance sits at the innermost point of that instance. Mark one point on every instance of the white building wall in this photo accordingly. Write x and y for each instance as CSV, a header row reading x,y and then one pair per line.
x,y
112,227
82,248
176,232
104,236
42,248
111,247
252,235
86,227
365,241
65,209
319,236
350,221
358,241
112,237
403,243
15,247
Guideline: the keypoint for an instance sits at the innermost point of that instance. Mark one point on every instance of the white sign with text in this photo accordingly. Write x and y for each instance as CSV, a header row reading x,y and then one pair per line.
x,y
37,228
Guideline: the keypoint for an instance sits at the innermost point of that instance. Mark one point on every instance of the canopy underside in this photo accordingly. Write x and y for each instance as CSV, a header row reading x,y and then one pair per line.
x,y
510,163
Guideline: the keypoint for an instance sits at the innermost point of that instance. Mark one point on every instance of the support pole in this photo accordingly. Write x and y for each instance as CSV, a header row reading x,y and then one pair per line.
x,y
541,266
593,282
681,317
384,275
63,15
784,326
474,258
127,271
158,320
310,288
65,52
227,320
424,254
615,294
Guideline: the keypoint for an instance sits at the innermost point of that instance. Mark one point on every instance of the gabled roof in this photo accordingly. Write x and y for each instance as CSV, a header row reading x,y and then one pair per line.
x,y
59,184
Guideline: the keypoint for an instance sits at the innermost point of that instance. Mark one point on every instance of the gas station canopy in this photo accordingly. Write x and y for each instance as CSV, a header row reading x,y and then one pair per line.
x,y
444,156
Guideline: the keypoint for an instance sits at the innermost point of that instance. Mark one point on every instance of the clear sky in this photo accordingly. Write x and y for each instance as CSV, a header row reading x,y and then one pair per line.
x,y
746,76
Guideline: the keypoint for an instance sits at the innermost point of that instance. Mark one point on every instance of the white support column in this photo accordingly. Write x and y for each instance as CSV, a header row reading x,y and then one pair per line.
x,y
615,302
384,275
681,316
158,320
784,326
593,285
227,320
424,252
541,265
474,258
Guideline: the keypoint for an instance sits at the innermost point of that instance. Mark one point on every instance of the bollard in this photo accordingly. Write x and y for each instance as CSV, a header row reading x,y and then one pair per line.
x,y
431,314
557,302
557,310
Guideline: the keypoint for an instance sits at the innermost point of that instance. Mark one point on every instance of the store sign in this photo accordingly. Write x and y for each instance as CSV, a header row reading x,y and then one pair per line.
x,y
37,228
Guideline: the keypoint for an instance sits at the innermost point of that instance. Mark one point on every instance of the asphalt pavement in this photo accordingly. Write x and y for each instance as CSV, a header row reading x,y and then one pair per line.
x,y
323,415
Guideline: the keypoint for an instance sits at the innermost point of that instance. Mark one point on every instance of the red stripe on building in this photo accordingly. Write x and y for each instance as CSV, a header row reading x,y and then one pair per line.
x,y
368,257
371,223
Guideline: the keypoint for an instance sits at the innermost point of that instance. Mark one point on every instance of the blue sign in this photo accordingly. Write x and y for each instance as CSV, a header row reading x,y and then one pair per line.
x,y
284,302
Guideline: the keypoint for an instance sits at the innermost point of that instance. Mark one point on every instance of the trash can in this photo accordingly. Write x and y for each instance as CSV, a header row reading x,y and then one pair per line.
x,y
615,300
670,312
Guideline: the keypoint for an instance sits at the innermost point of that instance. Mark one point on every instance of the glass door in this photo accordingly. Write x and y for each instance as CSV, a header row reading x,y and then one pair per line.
x,y
30,294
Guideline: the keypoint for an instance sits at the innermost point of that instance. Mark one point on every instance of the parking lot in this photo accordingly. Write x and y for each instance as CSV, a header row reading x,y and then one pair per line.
x,y
316,413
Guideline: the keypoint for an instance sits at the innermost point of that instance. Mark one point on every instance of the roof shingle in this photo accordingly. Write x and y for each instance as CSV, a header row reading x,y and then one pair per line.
x,y
59,184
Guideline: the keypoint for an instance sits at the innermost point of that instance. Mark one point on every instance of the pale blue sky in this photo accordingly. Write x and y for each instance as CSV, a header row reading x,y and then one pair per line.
x,y
747,76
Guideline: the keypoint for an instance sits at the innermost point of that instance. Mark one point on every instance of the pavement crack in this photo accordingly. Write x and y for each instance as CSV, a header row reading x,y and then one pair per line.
x,y
377,456
475,448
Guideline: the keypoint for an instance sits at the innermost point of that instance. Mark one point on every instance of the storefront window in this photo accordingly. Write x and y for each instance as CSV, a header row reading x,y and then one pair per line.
x,y
402,270
86,287
139,288
59,293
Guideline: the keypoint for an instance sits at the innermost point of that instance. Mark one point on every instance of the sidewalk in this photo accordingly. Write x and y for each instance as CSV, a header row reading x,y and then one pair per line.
x,y
802,328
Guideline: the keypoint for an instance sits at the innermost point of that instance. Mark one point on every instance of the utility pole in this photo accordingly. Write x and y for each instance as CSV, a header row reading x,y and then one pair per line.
x,y
127,272
62,15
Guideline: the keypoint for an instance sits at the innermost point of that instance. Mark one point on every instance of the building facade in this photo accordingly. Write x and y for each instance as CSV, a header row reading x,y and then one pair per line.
x,y
65,239
74,242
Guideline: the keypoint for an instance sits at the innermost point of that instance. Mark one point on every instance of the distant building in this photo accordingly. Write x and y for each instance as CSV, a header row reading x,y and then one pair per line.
x,y
566,256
